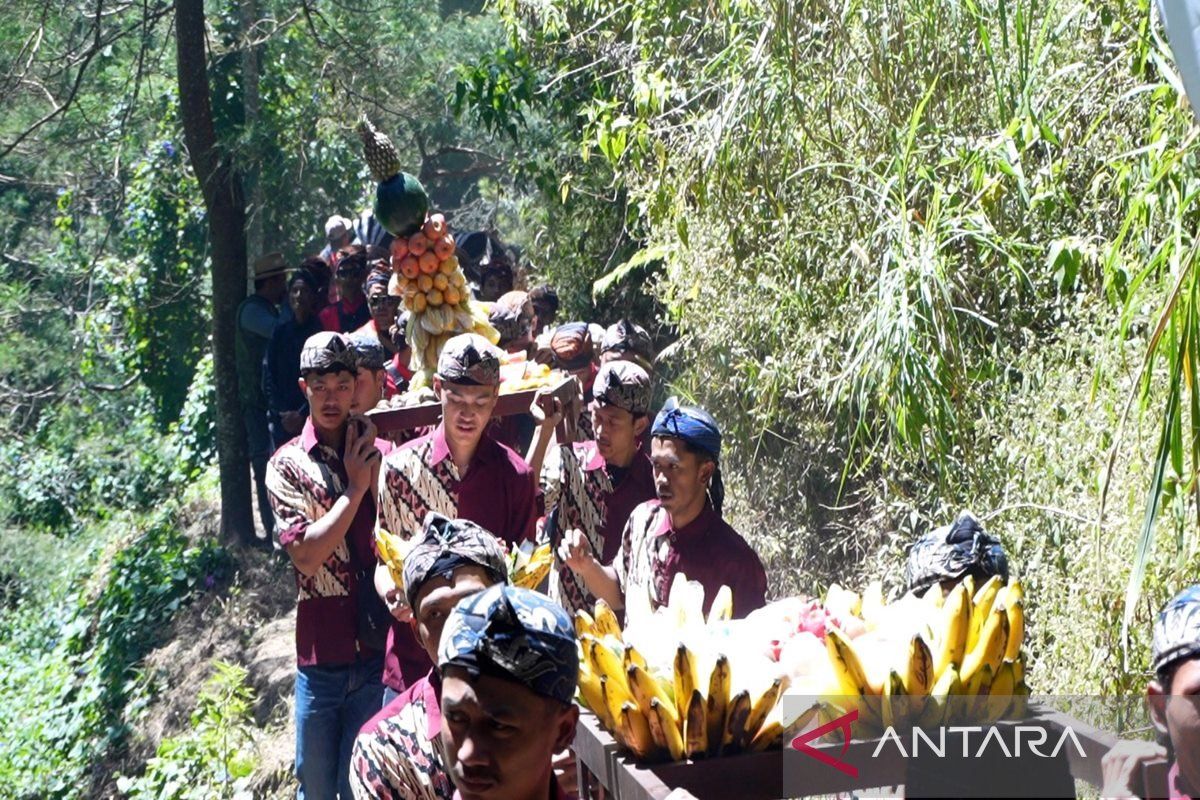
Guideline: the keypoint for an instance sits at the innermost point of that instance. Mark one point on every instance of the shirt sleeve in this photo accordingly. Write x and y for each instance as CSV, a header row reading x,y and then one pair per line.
x,y
523,513
288,502
550,481
620,563
388,516
258,319
379,770
748,581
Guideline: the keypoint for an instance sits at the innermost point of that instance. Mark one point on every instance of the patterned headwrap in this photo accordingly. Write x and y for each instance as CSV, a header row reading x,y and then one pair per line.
x,y
1176,632
448,545
572,346
623,384
692,424
471,360
327,351
629,339
512,316
368,352
515,634
378,277
951,551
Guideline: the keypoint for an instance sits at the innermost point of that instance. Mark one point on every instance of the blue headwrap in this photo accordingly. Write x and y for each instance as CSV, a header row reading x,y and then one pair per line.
x,y
1177,632
692,424
951,551
515,634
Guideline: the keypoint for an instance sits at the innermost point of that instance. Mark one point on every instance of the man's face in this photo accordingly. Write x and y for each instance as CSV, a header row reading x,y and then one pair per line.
x,y
329,398
437,599
499,737
465,410
339,239
275,289
494,285
616,432
383,308
1181,717
350,284
368,390
303,301
680,477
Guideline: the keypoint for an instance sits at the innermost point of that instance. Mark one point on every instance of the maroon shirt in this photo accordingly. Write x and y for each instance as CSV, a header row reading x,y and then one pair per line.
x,y
304,480
497,493
345,315
707,550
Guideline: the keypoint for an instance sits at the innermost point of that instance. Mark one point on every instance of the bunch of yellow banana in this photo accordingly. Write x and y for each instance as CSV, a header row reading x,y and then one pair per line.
x,y
690,708
392,550
968,646
529,570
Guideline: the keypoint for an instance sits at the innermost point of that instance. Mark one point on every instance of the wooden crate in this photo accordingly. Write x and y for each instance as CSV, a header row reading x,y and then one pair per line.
x,y
607,773
429,414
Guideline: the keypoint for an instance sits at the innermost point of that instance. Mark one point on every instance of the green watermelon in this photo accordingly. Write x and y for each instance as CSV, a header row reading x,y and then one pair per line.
x,y
401,204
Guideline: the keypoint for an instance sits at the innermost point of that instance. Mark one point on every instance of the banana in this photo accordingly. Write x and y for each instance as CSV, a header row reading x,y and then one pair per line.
x,y
606,620
605,662
1016,628
735,721
872,604
892,703
768,735
989,650
634,731
937,706
632,656
584,624
919,676
847,666
669,728
1000,694
1018,664
933,598
981,606
695,728
645,689
615,696
719,685
687,678
969,583
592,695
722,606
955,621
1014,591
760,708
976,690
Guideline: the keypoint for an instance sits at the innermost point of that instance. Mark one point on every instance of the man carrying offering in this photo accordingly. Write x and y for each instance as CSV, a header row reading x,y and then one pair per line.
x,y
680,532
456,471
509,665
597,484
320,485
397,754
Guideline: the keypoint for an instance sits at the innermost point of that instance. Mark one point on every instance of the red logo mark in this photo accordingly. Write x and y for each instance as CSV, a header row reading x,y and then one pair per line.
x,y
801,743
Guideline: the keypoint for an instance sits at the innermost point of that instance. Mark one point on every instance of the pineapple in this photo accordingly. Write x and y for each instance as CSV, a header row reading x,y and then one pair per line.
x,y
382,156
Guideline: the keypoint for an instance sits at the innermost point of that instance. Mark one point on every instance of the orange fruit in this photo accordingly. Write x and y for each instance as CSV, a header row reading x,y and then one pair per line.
x,y
424,283
441,282
444,247
449,266
451,296
434,297
417,244
409,267
418,303
428,262
435,226
398,249
458,280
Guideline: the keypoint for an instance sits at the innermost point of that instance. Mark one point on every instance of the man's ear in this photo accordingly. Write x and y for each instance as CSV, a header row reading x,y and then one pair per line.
x,y
640,424
706,471
568,721
437,387
303,384
1156,702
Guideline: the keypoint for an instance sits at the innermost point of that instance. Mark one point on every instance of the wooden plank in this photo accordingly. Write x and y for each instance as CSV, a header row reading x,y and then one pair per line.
x,y
429,414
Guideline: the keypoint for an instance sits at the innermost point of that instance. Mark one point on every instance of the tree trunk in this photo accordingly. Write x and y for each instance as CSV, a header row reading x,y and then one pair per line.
x,y
226,213
250,106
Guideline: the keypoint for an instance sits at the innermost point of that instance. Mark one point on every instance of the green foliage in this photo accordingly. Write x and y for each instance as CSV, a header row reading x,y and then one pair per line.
x,y
70,652
215,756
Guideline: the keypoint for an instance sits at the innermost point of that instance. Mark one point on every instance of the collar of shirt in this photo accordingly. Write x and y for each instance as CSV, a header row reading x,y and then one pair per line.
x,y
694,530
431,692
1174,790
308,436
440,451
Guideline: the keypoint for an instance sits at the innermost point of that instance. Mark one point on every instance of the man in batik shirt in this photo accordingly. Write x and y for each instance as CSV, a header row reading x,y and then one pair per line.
x,y
509,665
456,471
596,485
572,350
397,755
627,341
321,487
681,531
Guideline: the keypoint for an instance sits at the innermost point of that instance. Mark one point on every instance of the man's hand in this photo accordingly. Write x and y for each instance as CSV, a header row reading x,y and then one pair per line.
x,y
546,409
1122,767
576,551
401,610
361,455
292,421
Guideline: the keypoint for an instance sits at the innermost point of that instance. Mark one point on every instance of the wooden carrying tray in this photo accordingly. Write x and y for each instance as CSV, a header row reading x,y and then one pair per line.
x,y
605,772
430,414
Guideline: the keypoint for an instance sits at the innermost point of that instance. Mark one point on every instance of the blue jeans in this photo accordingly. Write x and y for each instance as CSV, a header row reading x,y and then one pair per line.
x,y
332,703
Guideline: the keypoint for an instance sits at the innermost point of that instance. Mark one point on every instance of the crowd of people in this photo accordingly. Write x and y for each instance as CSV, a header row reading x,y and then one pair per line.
x,y
451,683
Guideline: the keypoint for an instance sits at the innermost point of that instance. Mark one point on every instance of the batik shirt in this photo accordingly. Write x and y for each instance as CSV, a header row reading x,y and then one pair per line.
x,y
705,550
304,480
577,480
496,493
397,755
